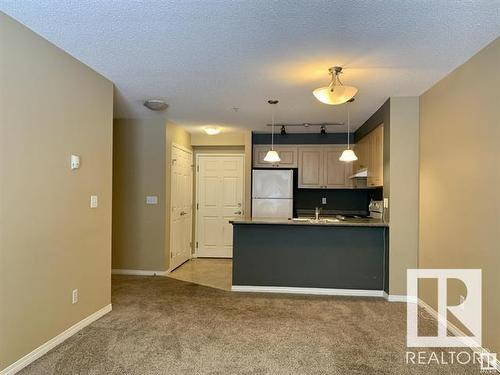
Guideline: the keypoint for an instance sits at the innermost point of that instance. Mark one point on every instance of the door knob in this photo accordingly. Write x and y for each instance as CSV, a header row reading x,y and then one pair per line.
x,y
237,213
183,213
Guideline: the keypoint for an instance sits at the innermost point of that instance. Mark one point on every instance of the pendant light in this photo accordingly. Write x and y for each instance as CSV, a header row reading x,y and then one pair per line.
x,y
272,156
348,155
335,93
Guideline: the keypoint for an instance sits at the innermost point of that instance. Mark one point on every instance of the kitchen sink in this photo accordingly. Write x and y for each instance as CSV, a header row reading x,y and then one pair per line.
x,y
312,220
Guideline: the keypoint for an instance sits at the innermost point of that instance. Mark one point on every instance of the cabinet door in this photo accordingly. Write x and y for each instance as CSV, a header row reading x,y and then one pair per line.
x,y
336,171
311,171
288,156
362,152
259,153
376,164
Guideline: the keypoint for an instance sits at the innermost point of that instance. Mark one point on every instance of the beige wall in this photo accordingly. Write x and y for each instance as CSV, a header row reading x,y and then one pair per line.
x,y
221,139
179,136
402,190
138,170
142,165
460,178
51,242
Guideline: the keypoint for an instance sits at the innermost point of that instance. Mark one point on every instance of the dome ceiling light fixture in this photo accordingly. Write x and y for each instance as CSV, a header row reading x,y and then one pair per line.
x,y
335,93
348,155
272,156
156,105
212,130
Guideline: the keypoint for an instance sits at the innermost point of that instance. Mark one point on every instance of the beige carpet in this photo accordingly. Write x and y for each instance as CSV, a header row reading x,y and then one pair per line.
x,y
164,326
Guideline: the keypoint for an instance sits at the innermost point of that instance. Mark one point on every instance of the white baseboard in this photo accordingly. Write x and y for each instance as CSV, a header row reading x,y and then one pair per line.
x,y
315,291
138,272
399,298
52,343
457,332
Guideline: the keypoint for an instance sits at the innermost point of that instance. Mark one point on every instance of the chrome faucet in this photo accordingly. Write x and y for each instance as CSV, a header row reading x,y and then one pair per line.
x,y
316,213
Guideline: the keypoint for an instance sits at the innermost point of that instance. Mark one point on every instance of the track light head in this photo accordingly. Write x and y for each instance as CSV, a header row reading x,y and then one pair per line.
x,y
322,130
283,130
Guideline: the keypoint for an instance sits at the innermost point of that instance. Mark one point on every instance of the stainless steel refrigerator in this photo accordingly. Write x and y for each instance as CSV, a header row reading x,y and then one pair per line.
x,y
272,193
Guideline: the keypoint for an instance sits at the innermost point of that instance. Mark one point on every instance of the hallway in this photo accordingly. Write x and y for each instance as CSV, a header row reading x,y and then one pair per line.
x,y
213,272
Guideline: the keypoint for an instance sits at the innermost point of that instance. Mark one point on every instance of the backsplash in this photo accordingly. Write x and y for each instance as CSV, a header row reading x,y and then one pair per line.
x,y
341,201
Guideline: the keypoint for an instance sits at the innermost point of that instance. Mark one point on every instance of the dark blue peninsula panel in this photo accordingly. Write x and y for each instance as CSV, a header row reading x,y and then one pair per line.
x,y
346,255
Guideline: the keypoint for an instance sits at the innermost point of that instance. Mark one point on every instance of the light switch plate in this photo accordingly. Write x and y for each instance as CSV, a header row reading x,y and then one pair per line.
x,y
74,296
93,201
386,202
151,199
323,200
74,162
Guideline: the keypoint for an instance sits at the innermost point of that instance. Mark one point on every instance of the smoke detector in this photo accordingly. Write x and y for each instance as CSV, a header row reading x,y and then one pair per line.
x,y
156,104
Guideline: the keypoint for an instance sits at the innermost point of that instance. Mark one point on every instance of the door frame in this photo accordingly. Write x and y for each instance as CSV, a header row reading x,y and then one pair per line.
x,y
196,193
182,148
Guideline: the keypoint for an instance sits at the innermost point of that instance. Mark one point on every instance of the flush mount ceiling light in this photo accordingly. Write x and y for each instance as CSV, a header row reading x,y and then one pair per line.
x,y
348,155
156,104
335,93
212,130
272,156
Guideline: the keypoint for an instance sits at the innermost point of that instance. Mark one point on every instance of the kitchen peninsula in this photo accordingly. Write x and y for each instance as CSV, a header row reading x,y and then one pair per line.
x,y
326,256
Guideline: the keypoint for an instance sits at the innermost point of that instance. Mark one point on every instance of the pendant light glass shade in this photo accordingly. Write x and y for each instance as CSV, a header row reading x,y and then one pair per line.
x,y
272,157
335,93
348,155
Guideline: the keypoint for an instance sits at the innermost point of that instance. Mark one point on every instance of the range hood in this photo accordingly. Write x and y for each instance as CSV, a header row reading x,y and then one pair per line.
x,y
361,173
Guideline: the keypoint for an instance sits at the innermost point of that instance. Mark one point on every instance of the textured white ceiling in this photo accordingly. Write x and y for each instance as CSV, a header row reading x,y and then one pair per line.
x,y
206,57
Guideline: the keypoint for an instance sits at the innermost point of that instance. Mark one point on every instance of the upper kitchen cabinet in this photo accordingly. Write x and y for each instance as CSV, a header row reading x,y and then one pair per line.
x,y
311,171
370,153
320,168
376,165
288,156
336,172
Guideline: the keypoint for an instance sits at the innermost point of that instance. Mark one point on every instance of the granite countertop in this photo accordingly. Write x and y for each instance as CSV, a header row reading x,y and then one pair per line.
x,y
348,222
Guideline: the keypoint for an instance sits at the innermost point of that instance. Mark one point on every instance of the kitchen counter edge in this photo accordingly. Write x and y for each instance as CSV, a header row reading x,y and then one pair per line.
x,y
345,223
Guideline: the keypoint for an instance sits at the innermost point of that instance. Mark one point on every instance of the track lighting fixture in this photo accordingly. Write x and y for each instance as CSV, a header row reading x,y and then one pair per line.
x,y
283,130
322,130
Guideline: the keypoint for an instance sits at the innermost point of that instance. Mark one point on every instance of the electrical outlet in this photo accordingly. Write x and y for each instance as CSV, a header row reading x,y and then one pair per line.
x,y
93,201
74,296
323,200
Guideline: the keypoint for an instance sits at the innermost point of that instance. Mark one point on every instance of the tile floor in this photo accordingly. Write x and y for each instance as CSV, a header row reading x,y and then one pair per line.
x,y
213,272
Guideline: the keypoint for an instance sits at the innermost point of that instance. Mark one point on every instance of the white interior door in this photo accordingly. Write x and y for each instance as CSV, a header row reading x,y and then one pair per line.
x,y
219,199
182,206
